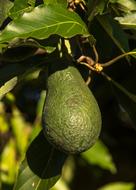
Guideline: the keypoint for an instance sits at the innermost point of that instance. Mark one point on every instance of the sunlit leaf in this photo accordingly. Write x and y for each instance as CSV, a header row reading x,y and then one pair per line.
x,y
114,31
125,6
60,2
37,124
99,155
8,86
44,21
4,127
60,185
41,103
42,168
128,21
8,166
21,130
118,186
20,6
68,171
31,2
134,55
4,9
27,180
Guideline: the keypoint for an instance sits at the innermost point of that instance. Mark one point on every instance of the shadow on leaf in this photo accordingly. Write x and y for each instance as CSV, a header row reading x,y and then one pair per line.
x,y
43,159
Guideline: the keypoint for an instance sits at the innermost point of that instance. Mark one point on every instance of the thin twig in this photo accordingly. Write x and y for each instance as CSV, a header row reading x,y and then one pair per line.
x,y
89,66
106,76
87,59
116,59
96,54
88,80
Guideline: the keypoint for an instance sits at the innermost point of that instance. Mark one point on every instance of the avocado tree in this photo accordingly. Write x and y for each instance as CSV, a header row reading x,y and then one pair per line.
x,y
80,57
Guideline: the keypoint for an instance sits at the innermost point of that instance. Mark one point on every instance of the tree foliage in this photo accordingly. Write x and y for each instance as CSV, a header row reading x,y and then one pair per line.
x,y
100,37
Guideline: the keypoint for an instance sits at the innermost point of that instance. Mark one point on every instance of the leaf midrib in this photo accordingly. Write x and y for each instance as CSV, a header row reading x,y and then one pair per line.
x,y
42,28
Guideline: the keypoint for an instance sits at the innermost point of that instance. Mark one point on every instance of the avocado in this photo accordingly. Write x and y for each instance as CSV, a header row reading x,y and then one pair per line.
x,y
71,117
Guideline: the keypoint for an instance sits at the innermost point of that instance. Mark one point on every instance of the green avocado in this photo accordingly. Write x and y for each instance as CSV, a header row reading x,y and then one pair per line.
x,y
71,117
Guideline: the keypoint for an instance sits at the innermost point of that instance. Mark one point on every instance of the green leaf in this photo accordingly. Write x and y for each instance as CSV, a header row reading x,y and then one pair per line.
x,y
4,127
18,69
60,2
41,103
126,99
27,180
96,7
134,55
4,9
60,185
42,168
128,21
19,50
20,6
8,86
8,166
44,21
43,159
125,6
99,155
118,186
31,2
114,31
23,68
22,132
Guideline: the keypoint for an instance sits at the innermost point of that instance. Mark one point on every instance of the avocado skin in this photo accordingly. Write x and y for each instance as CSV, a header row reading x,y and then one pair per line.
x,y
71,117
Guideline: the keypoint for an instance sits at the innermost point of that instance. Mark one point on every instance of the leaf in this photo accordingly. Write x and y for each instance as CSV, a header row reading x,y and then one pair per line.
x,y
99,155
125,98
60,2
23,68
44,21
125,6
8,86
96,7
4,127
18,69
4,9
114,31
8,166
27,180
60,185
21,130
43,159
118,186
19,50
41,103
128,21
42,168
31,2
134,55
2,46
20,6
